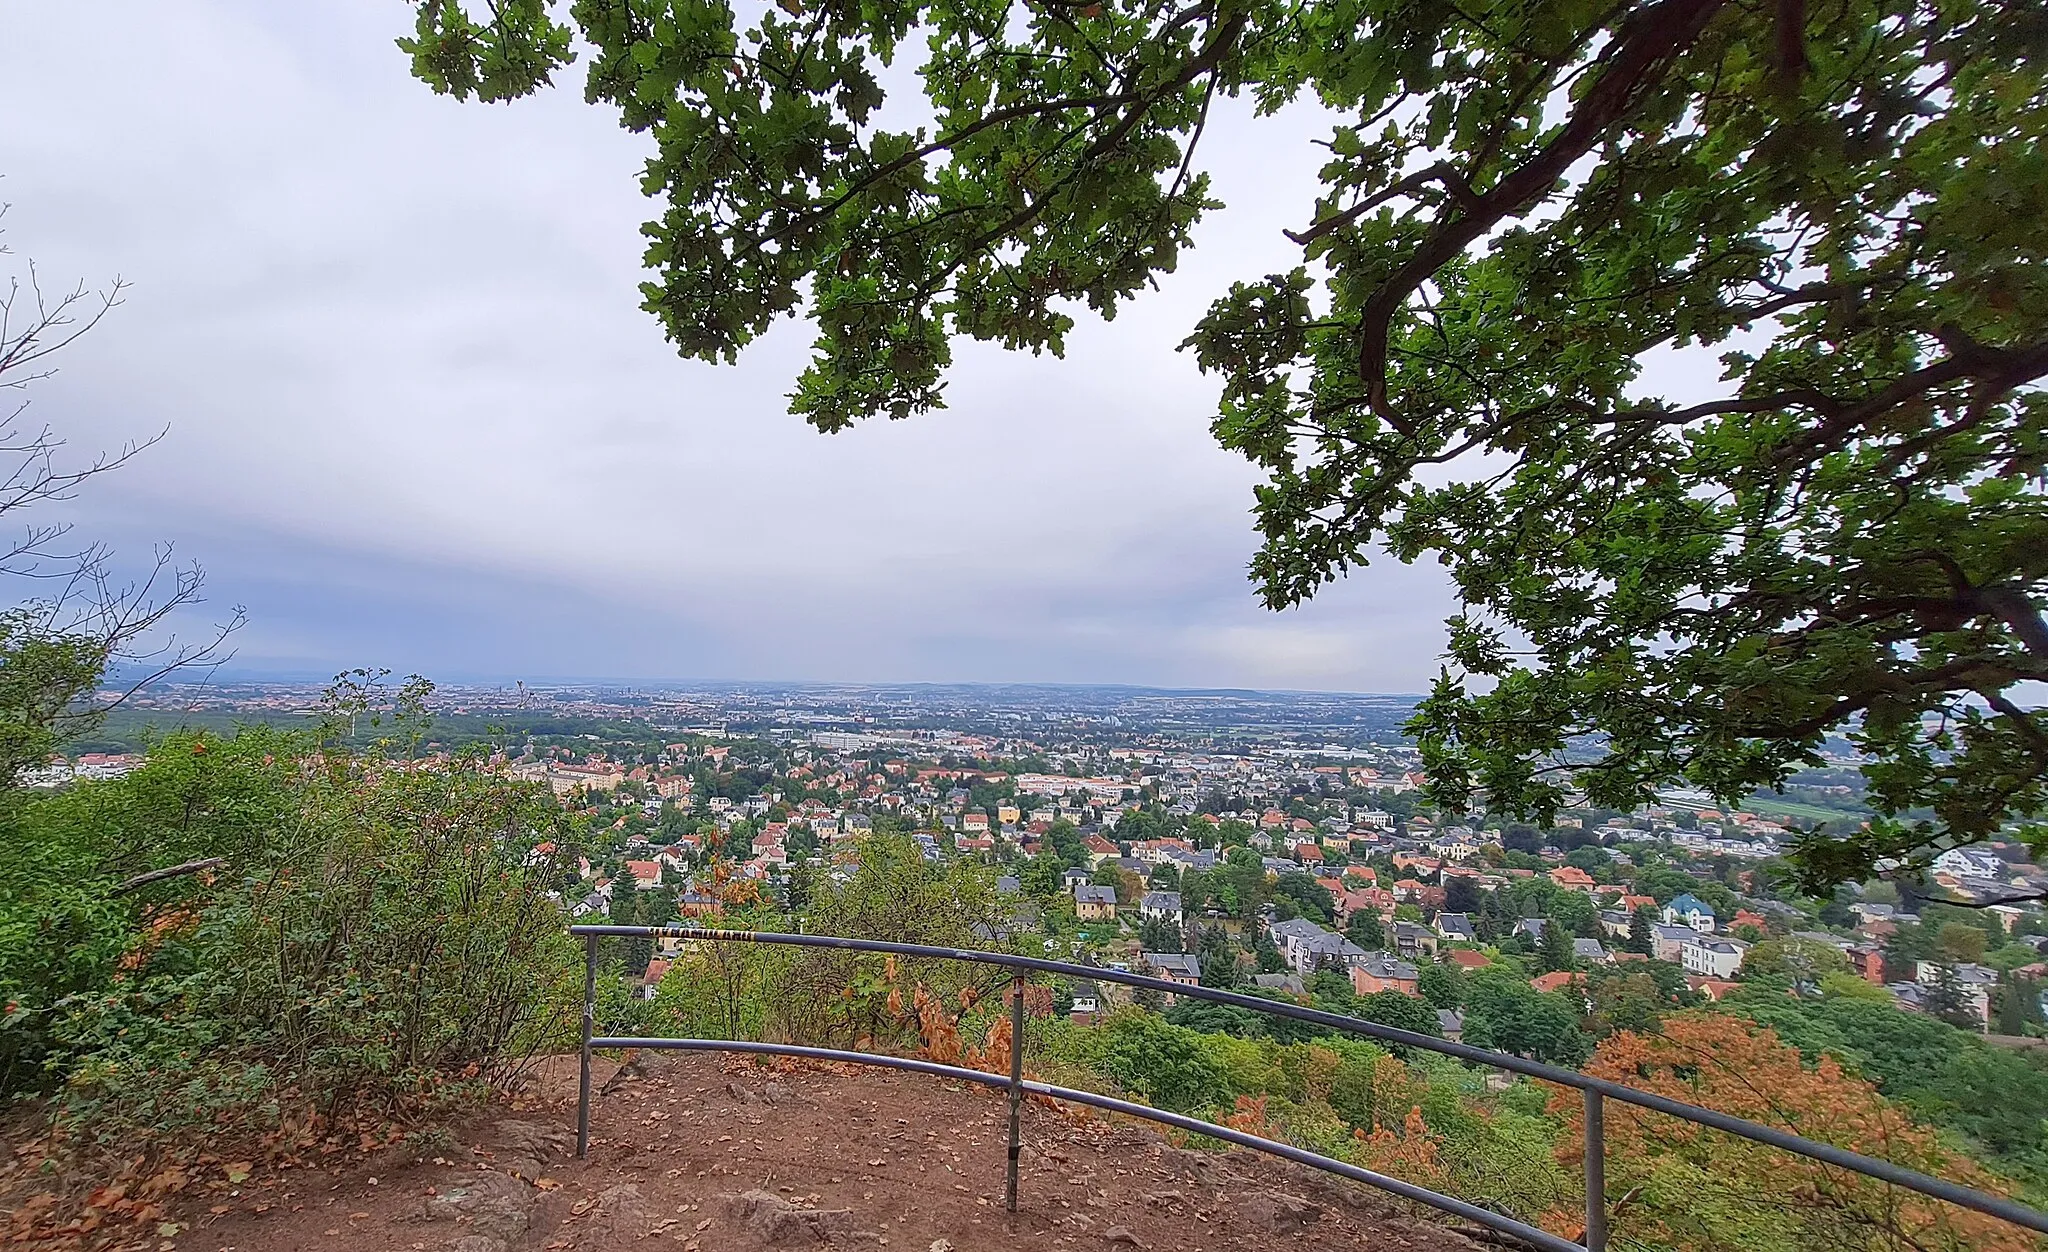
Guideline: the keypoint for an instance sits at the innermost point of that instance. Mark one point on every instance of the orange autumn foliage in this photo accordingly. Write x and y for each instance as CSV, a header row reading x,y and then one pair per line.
x,y
1675,1184
1413,1154
1250,1116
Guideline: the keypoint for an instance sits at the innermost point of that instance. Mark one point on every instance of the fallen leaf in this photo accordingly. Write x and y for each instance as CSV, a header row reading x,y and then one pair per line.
x,y
237,1171
583,1206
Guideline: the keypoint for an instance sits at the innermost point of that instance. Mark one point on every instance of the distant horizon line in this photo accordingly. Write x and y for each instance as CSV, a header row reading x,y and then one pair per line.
x,y
298,676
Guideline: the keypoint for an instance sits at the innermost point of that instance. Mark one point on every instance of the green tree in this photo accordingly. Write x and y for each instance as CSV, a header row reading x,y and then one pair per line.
x,y
1266,956
1842,984
1300,895
1441,983
1640,938
1522,205
1555,951
1960,941
1160,935
1365,929
1404,1012
2019,1005
1502,1011
1797,963
1041,876
1461,895
1943,1000
1218,960
1164,1064
1992,1095
801,883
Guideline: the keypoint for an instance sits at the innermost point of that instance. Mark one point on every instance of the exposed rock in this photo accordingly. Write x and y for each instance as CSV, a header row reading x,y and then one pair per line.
x,y
526,1148
774,1093
495,1205
478,1243
1280,1213
538,1140
617,1214
778,1223
1121,1236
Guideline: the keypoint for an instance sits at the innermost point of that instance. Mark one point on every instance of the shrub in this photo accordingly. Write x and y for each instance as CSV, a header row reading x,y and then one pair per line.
x,y
381,940
1163,1064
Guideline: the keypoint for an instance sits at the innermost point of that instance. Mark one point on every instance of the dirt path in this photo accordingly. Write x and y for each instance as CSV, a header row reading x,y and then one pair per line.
x,y
708,1154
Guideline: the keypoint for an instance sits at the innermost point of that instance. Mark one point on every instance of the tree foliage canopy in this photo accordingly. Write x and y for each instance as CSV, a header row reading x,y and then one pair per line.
x,y
1523,205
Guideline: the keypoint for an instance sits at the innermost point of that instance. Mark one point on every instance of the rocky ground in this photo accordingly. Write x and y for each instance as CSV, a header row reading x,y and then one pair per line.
x,y
707,1154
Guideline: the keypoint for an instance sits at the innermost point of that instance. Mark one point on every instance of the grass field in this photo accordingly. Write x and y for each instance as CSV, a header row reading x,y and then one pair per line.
x,y
1779,806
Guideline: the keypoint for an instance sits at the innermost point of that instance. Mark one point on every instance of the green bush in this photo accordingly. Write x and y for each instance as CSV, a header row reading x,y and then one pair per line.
x,y
66,928
1162,1064
380,939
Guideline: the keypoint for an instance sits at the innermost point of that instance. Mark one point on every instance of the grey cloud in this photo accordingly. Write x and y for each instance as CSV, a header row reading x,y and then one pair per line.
x,y
417,418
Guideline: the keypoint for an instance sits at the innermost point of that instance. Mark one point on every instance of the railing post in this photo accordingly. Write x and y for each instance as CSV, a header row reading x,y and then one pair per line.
x,y
1596,1173
589,1020
1016,1087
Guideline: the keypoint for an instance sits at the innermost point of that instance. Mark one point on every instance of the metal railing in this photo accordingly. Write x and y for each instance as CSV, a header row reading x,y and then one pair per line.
x,y
1593,1090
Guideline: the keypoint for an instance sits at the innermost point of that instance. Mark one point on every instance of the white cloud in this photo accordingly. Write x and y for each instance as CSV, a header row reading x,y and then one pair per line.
x,y
418,419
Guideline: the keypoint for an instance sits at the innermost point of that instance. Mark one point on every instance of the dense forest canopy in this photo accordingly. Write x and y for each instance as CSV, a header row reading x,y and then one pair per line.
x,y
1523,202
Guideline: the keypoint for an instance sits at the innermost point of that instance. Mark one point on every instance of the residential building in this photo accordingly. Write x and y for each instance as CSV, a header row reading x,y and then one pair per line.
x,y
1666,942
1685,910
1713,958
1381,971
1181,967
1456,928
1413,941
646,875
1450,1023
1289,935
1314,951
1972,862
1572,878
1161,906
1087,1002
1095,904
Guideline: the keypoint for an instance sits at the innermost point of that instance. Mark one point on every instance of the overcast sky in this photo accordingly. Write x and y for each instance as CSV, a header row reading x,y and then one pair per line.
x,y
416,418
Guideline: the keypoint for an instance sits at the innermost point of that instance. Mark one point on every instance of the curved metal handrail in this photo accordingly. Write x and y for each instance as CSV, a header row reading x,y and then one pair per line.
x,y
1594,1089
1435,1199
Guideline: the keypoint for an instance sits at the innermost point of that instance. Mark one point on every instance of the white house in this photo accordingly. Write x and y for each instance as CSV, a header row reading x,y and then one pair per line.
x,y
1686,910
1975,862
1713,958
1161,906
